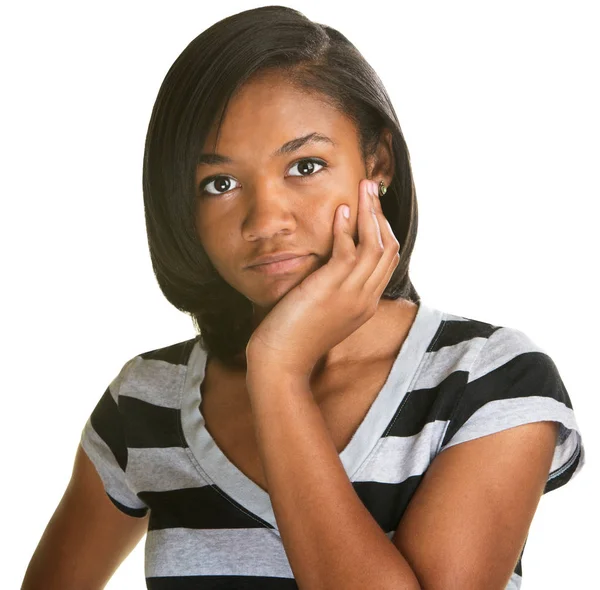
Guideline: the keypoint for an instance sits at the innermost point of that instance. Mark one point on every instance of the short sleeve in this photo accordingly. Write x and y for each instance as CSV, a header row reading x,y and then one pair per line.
x,y
513,382
104,442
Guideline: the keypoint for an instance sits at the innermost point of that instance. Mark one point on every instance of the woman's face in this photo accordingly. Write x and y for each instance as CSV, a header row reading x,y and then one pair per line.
x,y
270,195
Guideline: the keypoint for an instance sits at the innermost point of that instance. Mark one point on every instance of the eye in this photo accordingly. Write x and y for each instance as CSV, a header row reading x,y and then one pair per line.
x,y
307,166
222,185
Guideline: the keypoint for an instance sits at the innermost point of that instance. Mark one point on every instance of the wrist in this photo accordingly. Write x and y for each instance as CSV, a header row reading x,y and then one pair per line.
x,y
268,366
268,376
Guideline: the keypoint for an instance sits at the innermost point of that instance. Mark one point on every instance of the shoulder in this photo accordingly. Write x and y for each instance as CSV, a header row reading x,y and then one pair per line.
x,y
483,346
156,375
175,354
511,380
486,376
499,364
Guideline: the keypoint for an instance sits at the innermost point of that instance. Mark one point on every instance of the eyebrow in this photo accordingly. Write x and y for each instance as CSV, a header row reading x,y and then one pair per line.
x,y
287,148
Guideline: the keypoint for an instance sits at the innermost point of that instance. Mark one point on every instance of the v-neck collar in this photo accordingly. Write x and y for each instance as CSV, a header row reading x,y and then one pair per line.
x,y
241,488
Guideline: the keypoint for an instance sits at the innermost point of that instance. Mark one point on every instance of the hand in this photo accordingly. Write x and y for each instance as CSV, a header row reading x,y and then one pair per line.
x,y
335,300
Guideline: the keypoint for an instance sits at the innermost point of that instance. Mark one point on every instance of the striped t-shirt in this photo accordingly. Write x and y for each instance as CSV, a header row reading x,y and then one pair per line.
x,y
210,526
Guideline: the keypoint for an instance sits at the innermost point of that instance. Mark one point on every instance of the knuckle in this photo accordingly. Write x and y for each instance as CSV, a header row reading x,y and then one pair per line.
x,y
350,257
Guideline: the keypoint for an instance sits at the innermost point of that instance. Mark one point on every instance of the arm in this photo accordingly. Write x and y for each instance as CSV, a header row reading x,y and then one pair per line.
x,y
86,539
483,493
468,520
330,538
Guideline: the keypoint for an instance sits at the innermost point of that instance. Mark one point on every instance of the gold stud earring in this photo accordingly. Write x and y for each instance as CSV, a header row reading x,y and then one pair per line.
x,y
382,189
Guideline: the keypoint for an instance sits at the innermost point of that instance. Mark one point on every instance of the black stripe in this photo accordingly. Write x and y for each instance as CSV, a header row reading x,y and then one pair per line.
x,y
565,476
106,420
519,567
221,583
421,406
386,501
528,374
198,508
136,512
452,332
150,426
176,354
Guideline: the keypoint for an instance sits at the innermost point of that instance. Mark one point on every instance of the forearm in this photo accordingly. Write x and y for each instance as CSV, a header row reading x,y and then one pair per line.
x,y
330,538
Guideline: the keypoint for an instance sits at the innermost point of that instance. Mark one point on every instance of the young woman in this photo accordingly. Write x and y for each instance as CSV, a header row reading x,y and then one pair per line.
x,y
326,429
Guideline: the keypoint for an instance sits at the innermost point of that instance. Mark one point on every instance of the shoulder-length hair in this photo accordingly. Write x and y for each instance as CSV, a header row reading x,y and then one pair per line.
x,y
197,90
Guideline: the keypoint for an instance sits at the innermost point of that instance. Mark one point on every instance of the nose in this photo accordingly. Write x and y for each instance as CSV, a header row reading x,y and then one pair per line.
x,y
268,212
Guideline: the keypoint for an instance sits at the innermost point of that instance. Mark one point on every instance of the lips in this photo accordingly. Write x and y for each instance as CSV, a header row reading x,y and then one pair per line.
x,y
281,267
275,257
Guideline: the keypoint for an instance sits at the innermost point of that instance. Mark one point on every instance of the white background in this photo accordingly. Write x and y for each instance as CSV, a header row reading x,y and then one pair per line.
x,y
499,106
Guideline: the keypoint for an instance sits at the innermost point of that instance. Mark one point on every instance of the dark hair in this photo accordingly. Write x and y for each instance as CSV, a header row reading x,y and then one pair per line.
x,y
197,90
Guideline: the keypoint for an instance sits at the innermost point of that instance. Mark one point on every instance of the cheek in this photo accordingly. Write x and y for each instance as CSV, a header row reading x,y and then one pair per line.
x,y
339,191
342,183
207,228
206,240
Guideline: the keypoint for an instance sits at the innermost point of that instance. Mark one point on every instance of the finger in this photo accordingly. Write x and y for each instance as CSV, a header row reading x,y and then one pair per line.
x,y
370,247
343,254
390,258
380,288
387,234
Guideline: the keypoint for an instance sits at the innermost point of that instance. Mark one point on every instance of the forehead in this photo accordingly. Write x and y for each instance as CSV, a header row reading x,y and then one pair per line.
x,y
270,109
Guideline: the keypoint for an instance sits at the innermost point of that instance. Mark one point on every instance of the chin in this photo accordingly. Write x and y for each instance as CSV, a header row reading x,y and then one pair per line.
x,y
268,291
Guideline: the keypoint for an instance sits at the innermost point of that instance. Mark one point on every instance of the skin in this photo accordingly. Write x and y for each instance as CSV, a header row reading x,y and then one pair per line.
x,y
273,203
483,492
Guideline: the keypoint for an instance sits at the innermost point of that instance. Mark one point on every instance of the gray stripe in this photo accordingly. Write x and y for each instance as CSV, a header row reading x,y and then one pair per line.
x,y
226,552
155,382
503,346
215,552
515,582
499,415
445,361
108,469
397,458
162,470
115,384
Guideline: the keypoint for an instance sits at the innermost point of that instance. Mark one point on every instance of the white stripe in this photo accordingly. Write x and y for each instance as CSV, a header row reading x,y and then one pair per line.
x,y
115,384
515,582
215,552
155,382
502,346
108,469
162,470
445,361
396,458
499,415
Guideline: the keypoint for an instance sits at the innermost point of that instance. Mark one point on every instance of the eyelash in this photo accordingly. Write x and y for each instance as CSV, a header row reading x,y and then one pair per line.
x,y
210,179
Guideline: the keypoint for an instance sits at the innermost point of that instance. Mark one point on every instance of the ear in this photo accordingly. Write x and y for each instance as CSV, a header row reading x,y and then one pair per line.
x,y
381,164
